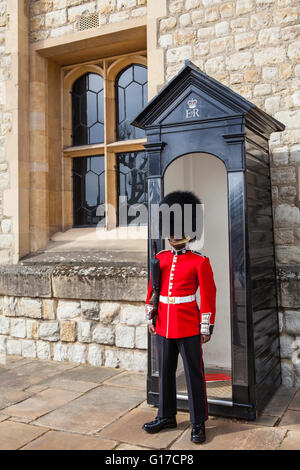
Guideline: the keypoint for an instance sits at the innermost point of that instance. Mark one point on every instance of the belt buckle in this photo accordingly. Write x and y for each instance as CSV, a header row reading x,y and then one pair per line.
x,y
171,300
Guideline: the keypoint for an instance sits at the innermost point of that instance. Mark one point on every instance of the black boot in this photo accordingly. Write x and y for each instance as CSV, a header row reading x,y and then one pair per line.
x,y
198,433
160,423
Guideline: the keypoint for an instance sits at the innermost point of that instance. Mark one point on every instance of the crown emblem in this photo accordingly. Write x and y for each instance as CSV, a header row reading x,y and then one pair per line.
x,y
192,103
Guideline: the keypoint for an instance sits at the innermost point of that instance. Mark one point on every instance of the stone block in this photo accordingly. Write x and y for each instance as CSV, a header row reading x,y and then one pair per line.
x,y
239,60
179,54
49,331
113,283
32,329
109,312
120,16
90,310
244,6
28,348
28,307
43,350
18,328
9,306
84,331
106,6
75,12
167,24
176,6
270,55
68,331
191,4
13,347
292,322
282,16
60,352
55,18
111,358
95,356
245,40
4,325
287,216
133,315
141,337
286,347
76,353
287,374
49,309
185,20
3,341
227,9
25,281
67,309
104,335
125,336
140,361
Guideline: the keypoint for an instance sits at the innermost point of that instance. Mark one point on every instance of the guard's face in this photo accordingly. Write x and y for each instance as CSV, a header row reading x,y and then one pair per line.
x,y
178,242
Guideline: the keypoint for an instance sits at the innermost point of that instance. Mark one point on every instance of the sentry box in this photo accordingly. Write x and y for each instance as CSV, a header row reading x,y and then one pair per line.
x,y
203,137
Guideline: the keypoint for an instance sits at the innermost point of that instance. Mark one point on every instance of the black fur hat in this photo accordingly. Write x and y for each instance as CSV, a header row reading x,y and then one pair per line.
x,y
189,220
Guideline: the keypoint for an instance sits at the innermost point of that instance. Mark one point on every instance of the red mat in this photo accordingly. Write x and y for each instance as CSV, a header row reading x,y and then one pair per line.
x,y
215,377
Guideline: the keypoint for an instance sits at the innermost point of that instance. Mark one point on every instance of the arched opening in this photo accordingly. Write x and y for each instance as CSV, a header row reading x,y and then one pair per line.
x,y
206,176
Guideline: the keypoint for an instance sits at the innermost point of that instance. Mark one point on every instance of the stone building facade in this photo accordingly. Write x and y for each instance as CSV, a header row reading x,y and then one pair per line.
x,y
251,46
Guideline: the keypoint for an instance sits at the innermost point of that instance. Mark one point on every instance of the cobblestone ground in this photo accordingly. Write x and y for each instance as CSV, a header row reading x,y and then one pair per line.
x,y
49,405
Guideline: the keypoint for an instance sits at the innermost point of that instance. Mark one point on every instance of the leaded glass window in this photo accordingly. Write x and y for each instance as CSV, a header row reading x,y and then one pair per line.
x,y
131,93
132,175
89,190
88,110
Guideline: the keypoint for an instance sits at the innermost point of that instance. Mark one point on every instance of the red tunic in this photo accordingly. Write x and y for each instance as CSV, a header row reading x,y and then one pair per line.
x,y
181,274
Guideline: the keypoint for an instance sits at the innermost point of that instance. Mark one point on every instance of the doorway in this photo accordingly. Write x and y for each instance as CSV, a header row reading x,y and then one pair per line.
x,y
206,176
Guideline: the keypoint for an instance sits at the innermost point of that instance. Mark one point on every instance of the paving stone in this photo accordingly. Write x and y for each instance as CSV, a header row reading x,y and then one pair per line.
x,y
295,403
228,435
62,383
90,374
280,401
291,441
291,420
128,429
42,403
15,435
129,379
91,412
131,447
10,396
265,420
24,375
57,440
3,417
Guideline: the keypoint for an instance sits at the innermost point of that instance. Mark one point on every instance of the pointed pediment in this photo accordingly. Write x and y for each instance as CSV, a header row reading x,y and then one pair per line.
x,y
192,106
192,96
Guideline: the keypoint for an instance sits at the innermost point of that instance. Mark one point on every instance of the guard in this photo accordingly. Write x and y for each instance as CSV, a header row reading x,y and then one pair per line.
x,y
178,324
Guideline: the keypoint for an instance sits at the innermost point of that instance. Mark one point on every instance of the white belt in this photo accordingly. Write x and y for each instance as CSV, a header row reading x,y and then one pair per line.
x,y
177,300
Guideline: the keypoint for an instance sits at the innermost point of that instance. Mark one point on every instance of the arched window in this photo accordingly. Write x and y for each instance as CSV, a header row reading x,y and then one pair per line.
x,y
88,110
108,155
131,94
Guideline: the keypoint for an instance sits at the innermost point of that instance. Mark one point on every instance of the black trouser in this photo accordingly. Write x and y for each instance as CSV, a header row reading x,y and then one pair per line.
x,y
191,352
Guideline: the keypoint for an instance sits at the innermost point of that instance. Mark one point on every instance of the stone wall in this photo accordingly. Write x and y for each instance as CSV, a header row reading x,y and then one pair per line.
x,y
52,18
45,320
5,128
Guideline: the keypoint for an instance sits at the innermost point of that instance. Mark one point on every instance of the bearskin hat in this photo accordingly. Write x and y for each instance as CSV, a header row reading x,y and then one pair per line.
x,y
184,222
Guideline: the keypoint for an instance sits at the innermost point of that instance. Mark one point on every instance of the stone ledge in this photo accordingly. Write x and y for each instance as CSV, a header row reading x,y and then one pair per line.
x,y
26,281
74,282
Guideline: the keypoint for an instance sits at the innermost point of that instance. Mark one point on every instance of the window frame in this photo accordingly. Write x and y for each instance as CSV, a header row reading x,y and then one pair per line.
x,y
109,69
